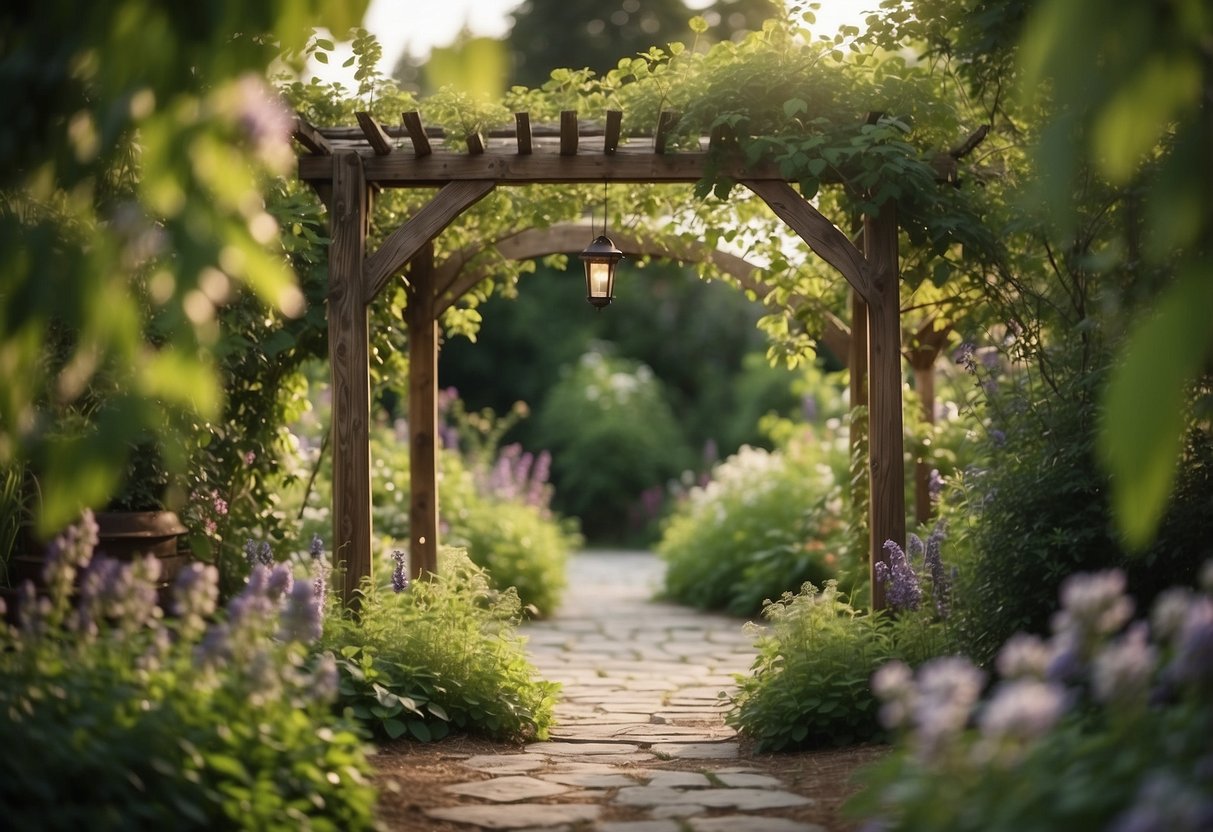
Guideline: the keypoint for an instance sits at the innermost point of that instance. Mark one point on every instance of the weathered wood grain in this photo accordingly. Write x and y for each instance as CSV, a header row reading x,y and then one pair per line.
x,y
403,243
887,517
421,142
379,140
822,236
423,414
349,360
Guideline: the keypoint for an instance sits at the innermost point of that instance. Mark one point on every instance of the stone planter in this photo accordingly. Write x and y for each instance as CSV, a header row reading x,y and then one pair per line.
x,y
121,535
124,534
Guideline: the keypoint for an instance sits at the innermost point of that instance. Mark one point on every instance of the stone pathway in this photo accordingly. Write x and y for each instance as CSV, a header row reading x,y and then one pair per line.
x,y
640,744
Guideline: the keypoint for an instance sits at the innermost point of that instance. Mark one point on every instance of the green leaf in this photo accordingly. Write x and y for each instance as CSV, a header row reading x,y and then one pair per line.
x,y
794,106
394,728
1141,434
1130,125
227,765
321,57
438,711
325,43
420,730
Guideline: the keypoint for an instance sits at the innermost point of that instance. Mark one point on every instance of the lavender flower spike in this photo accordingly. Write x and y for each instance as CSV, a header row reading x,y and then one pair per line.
x,y
400,581
898,578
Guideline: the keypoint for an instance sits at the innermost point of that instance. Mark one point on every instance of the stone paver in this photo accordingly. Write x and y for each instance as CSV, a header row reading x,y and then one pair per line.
x,y
645,685
508,789
517,815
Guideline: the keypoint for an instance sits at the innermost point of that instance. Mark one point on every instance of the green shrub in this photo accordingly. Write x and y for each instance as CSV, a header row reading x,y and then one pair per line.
x,y
1104,725
765,523
612,435
1037,511
443,654
116,718
518,547
809,686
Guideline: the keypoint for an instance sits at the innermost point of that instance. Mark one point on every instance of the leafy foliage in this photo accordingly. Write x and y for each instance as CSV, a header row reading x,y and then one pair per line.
x,y
131,720
442,655
103,234
1037,510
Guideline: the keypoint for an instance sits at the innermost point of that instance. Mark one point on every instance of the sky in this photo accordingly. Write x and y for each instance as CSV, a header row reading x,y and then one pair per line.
x,y
416,26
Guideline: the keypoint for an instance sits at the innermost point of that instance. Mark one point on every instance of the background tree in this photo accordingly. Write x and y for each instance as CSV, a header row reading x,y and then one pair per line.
x,y
547,34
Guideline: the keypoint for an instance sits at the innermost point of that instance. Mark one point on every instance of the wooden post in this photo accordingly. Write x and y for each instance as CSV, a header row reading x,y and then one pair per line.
x,y
423,414
351,389
924,385
885,441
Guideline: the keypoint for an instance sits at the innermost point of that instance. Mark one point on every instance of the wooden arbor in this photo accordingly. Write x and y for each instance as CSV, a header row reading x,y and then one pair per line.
x,y
347,164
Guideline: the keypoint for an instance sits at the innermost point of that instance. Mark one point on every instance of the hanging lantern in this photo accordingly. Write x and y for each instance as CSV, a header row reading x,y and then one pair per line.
x,y
600,258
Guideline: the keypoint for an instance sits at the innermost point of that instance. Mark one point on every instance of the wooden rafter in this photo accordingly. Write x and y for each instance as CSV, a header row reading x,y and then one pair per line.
x,y
379,140
421,142
665,125
311,138
610,139
568,133
522,126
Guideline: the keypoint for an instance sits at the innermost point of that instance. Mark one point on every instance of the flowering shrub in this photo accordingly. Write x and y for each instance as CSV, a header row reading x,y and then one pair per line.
x,y
208,718
810,683
440,654
510,532
612,434
1106,724
766,522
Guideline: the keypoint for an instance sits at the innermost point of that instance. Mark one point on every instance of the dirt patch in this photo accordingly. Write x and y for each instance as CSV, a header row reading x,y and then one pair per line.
x,y
411,777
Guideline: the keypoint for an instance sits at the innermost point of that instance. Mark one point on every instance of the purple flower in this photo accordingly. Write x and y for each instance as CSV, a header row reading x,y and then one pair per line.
x,y
280,581
1093,606
258,553
1122,672
1193,663
897,577
316,549
893,685
302,617
1023,656
1023,709
1170,611
1163,802
935,484
325,679
219,504
195,595
998,437
947,689
250,457
965,357
400,581
941,582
